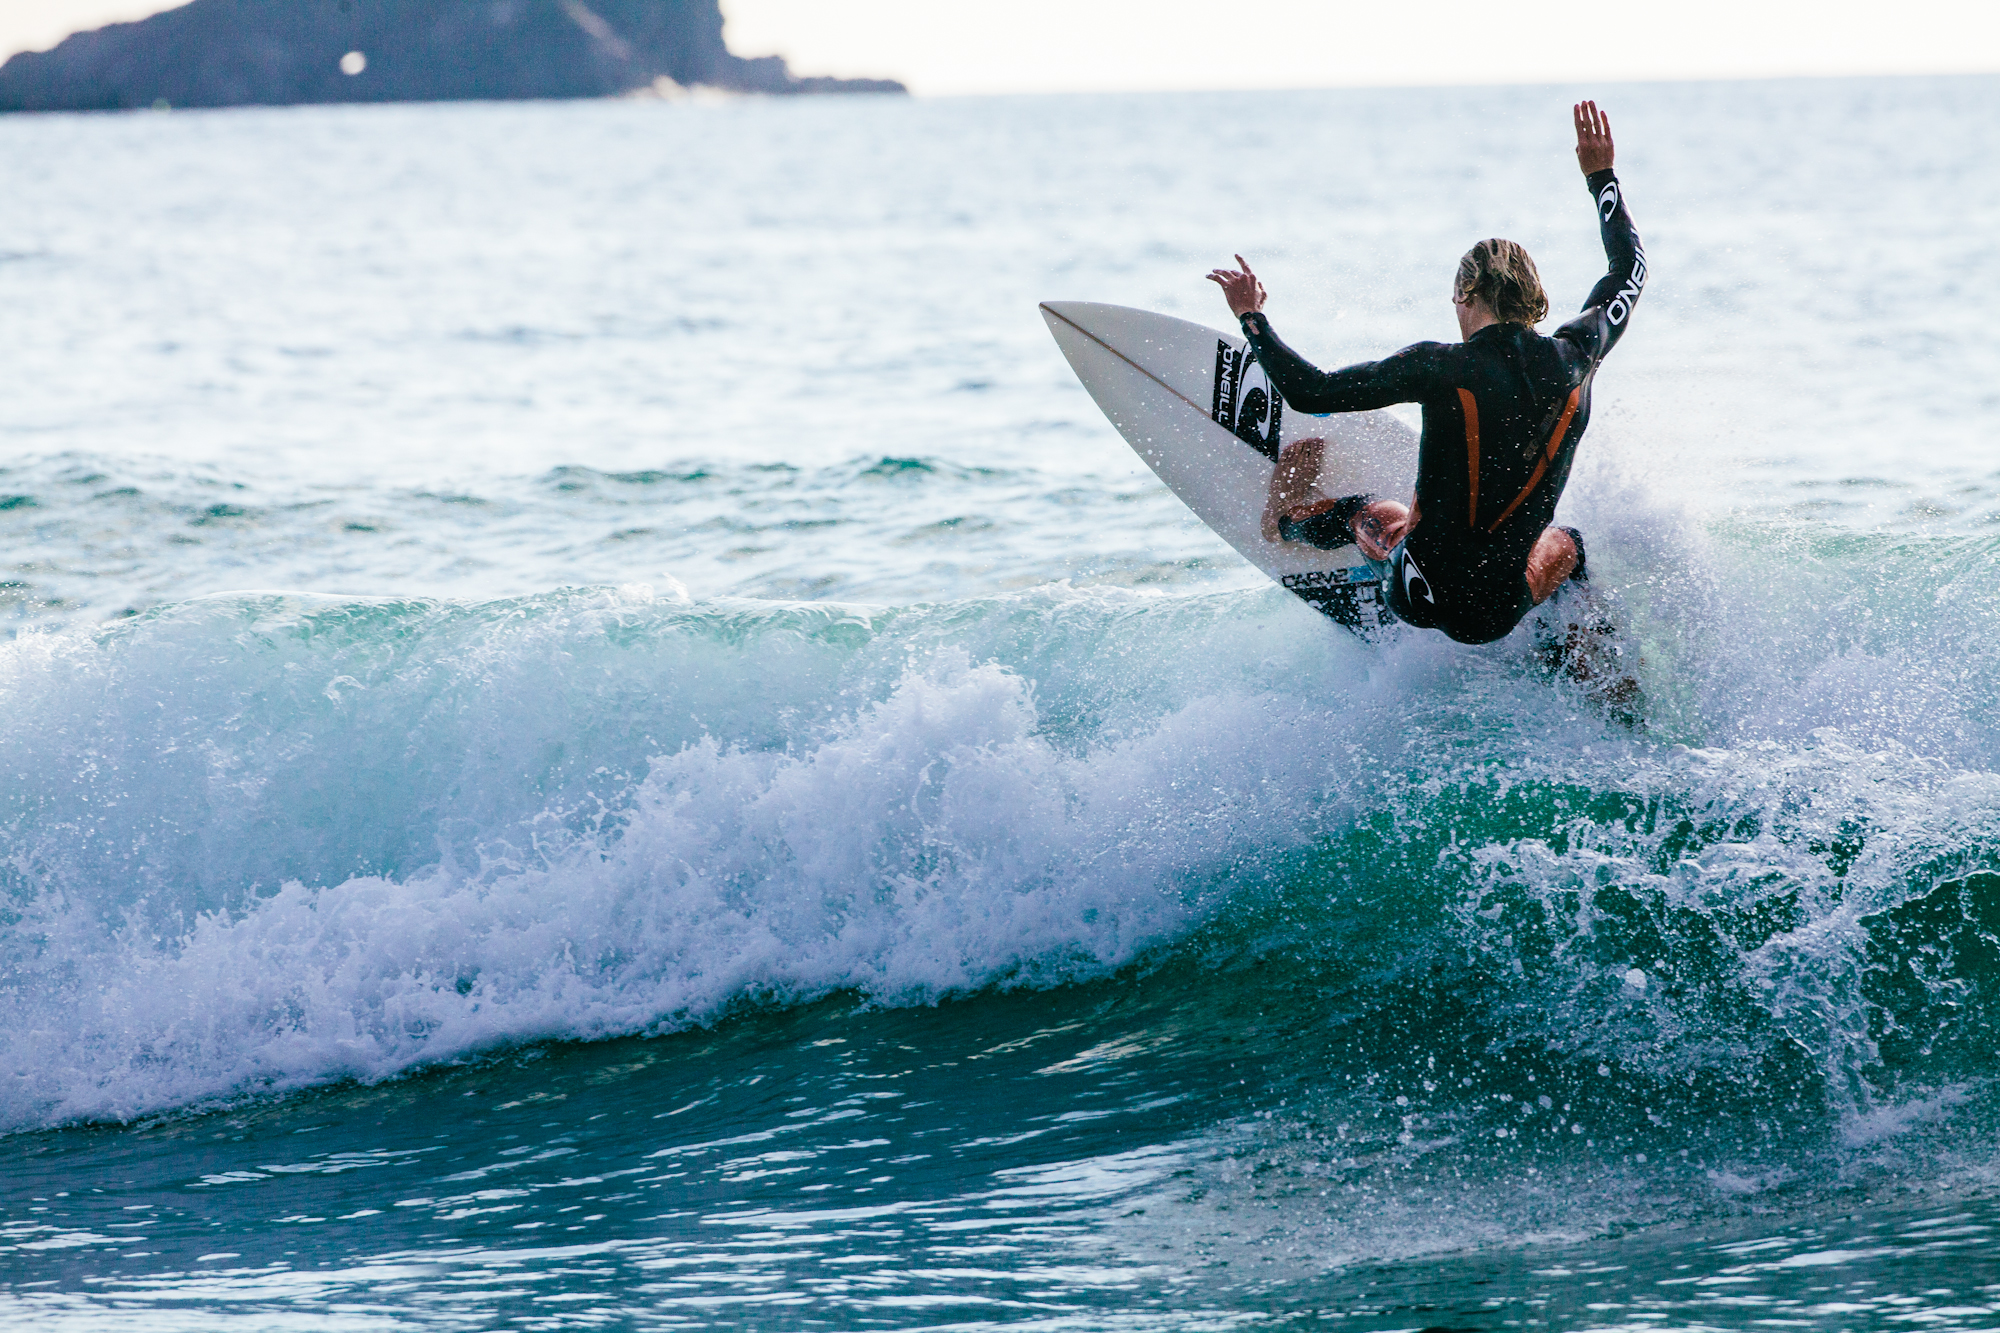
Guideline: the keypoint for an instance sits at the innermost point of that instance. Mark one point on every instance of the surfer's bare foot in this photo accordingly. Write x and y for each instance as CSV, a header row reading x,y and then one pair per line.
x,y
1293,485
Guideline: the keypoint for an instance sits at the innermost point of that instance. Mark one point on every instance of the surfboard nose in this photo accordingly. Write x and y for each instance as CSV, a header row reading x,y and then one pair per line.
x,y
1057,315
1084,316
1069,324
1085,330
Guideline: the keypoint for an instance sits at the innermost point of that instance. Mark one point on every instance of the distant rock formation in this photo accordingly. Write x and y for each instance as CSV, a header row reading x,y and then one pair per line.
x,y
282,52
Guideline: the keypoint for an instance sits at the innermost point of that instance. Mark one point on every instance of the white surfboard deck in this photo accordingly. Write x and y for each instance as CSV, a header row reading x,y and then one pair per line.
x,y
1194,404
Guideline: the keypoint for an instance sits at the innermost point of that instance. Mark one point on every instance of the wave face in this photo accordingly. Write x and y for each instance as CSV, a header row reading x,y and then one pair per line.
x,y
266,841
1169,953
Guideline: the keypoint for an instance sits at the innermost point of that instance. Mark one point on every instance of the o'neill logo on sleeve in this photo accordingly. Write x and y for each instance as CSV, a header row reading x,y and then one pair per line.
x,y
1621,304
1607,201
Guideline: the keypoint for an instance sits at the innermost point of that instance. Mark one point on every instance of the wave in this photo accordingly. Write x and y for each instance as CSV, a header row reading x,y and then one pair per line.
x,y
262,841
272,840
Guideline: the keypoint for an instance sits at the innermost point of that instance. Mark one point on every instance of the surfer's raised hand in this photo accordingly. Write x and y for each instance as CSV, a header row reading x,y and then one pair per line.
x,y
1593,138
1240,288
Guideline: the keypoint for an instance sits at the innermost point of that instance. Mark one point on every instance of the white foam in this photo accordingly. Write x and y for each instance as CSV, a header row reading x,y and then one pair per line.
x,y
931,842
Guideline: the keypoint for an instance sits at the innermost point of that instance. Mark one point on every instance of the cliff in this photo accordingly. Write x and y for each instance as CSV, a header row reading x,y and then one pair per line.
x,y
281,52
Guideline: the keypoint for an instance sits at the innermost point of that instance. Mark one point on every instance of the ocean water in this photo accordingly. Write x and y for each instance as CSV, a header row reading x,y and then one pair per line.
x,y
594,733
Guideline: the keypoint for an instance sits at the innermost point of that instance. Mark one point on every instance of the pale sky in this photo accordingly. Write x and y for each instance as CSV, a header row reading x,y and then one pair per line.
x,y
942,47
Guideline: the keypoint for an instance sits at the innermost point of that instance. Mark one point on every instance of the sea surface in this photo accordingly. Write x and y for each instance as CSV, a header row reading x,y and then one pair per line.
x,y
596,734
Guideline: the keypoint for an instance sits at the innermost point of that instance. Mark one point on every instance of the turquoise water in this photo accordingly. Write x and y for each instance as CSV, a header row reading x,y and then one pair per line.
x,y
596,734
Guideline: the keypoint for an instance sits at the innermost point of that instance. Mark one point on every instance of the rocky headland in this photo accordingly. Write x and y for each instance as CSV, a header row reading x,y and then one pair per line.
x,y
213,53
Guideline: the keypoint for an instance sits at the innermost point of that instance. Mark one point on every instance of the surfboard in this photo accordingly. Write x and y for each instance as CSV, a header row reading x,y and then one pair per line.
x,y
1195,405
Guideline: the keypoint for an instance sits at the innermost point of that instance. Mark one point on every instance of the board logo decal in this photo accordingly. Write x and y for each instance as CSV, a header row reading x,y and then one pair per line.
x,y
1245,402
1351,597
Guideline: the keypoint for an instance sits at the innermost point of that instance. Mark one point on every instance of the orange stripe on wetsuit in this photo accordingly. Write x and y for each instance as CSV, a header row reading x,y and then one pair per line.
x,y
1548,456
1471,406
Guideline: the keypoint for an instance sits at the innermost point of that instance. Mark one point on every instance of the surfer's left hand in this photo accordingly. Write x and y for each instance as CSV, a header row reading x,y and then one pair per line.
x,y
1594,149
1240,288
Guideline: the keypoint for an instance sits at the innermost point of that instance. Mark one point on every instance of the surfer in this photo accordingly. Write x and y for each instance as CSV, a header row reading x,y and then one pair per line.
x,y
1503,410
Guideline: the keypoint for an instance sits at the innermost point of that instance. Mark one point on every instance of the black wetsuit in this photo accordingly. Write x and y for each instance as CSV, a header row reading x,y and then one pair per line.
x,y
1503,412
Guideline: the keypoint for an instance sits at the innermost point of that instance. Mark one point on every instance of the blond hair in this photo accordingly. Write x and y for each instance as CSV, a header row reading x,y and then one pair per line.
x,y
1501,274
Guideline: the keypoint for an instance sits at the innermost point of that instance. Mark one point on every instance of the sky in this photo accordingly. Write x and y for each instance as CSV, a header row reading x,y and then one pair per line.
x,y
946,47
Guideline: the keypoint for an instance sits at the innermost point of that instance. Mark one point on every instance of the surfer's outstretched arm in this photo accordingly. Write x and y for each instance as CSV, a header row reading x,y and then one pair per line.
x,y
1402,378
1597,330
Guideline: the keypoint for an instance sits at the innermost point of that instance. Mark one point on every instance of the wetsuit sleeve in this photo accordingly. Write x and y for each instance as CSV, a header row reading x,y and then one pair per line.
x,y
1403,378
1597,330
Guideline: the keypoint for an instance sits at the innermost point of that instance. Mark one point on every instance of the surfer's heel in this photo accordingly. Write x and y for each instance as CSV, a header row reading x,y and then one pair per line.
x,y
1579,574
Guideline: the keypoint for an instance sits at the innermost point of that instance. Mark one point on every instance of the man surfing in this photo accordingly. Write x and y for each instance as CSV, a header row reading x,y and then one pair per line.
x,y
1473,552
